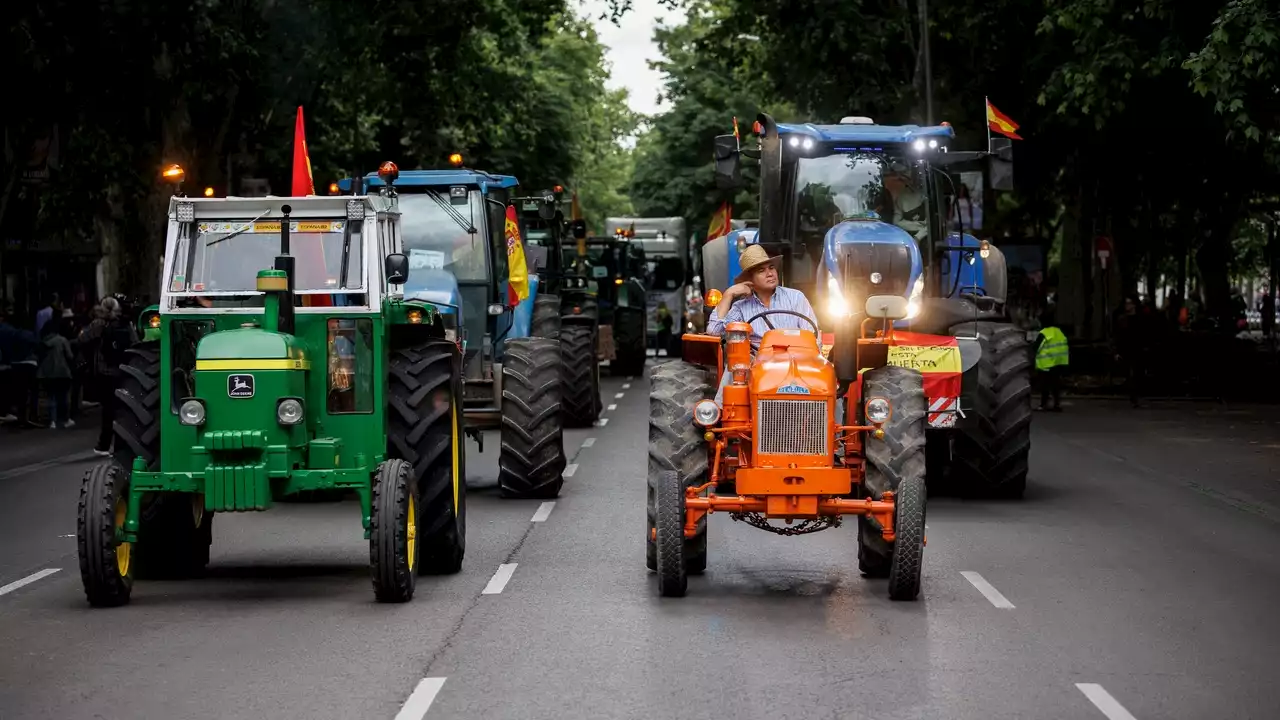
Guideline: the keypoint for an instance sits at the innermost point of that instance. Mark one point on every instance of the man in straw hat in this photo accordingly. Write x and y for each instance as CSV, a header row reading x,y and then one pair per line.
x,y
754,291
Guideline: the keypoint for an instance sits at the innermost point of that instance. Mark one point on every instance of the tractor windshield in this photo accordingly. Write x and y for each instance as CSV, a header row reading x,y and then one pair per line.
x,y
228,255
435,232
858,186
665,273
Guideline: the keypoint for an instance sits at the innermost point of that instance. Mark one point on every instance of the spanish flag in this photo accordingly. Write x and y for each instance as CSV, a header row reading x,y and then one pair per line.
x,y
720,222
518,271
302,182
1001,123
310,249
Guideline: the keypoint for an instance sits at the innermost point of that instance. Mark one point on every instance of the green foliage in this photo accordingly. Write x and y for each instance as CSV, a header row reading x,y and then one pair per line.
x,y
1237,68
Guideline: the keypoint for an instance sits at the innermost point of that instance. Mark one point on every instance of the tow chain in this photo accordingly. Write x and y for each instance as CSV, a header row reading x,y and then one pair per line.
x,y
804,528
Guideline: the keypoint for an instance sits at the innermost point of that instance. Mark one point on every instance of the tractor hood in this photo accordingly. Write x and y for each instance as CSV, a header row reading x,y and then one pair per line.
x,y
875,246
433,285
220,349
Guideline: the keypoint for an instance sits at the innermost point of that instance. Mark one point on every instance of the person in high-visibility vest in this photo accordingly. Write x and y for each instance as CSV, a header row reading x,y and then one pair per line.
x,y
1051,362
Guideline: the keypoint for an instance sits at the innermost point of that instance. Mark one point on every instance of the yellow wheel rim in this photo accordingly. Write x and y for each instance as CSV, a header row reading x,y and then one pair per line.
x,y
411,532
124,549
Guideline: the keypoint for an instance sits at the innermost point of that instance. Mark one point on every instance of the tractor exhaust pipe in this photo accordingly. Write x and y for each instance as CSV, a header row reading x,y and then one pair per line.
x,y
284,262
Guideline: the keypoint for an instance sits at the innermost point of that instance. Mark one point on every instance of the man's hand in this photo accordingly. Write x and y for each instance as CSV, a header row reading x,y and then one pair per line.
x,y
732,295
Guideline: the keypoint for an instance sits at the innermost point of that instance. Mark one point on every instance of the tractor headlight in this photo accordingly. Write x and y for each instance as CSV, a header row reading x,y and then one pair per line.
x,y
837,306
706,413
289,411
191,412
878,410
914,300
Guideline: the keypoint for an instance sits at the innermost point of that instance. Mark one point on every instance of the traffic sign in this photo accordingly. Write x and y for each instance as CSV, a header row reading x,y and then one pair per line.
x,y
1102,248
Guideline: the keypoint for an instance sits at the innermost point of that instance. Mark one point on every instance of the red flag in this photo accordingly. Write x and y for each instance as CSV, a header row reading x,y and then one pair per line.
x,y
302,181
1001,123
310,262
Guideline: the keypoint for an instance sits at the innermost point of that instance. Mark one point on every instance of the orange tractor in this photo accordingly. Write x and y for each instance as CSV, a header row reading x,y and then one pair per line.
x,y
781,449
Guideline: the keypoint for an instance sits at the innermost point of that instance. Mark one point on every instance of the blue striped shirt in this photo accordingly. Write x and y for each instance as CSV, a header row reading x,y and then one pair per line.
x,y
744,308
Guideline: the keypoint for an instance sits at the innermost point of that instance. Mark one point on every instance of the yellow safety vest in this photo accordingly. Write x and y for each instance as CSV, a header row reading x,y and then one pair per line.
x,y
1053,352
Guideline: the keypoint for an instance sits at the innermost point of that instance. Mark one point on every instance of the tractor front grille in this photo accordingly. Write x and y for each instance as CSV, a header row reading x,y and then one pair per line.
x,y
791,427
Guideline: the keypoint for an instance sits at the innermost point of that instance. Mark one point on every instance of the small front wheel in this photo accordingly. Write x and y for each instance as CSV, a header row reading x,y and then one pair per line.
x,y
673,578
908,544
393,531
106,560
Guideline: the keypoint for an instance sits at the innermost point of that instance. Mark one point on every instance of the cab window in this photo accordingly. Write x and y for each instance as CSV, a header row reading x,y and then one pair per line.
x,y
497,209
350,366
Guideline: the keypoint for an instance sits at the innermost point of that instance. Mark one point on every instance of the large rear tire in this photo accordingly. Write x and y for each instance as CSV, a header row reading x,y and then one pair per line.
x,y
580,389
531,461
676,445
992,449
546,316
897,458
423,428
629,342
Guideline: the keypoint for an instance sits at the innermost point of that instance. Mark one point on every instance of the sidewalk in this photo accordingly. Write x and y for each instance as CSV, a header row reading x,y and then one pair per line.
x,y
22,446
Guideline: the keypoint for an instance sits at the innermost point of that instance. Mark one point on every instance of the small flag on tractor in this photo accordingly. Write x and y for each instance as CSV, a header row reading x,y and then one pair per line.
x,y
310,250
721,222
1001,123
518,271
736,135
303,184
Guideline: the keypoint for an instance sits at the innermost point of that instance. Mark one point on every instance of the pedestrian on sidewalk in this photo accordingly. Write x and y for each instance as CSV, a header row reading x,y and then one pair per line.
x,y
54,374
108,337
49,312
1052,358
18,387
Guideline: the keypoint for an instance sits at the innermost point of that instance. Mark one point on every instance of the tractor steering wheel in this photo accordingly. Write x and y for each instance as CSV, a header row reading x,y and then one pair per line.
x,y
802,316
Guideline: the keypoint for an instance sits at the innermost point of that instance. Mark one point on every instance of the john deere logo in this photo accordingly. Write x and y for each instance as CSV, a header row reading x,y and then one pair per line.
x,y
240,386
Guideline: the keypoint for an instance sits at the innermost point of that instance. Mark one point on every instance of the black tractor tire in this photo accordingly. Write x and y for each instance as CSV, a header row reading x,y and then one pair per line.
x,y
531,460
546,316
137,418
908,542
106,567
173,537
896,458
424,407
629,342
673,576
392,527
993,448
580,381
676,445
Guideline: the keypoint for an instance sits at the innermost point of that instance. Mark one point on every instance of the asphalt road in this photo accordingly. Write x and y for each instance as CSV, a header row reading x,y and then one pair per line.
x,y
1139,578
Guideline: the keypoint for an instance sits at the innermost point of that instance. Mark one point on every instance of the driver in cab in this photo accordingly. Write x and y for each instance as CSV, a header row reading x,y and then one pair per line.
x,y
754,291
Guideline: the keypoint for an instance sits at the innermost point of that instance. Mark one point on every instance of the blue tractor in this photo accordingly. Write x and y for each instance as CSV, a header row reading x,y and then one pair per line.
x,y
860,210
453,225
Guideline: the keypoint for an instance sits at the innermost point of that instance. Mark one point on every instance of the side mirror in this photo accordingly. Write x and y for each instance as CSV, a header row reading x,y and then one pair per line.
x,y
728,162
547,209
579,229
397,269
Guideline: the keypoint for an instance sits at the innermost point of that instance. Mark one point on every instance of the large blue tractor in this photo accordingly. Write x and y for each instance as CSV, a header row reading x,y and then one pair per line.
x,y
860,209
453,224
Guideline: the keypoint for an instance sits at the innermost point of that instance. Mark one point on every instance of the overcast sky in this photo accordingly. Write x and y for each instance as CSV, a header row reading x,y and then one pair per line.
x,y
630,47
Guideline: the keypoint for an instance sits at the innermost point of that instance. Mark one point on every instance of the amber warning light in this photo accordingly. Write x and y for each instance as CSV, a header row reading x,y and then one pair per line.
x,y
333,188
174,174
388,171
208,192
455,159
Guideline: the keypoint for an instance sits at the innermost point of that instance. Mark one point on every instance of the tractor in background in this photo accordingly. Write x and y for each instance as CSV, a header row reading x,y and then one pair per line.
x,y
618,267
454,236
859,188
284,360
565,307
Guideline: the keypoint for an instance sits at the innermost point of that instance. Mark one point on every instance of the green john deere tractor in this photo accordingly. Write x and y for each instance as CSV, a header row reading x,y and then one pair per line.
x,y
285,361
618,267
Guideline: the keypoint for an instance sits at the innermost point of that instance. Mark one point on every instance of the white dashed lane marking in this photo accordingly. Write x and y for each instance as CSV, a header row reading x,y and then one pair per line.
x,y
499,579
619,396
416,707
987,590
570,469
613,407
27,580
544,512
1102,699
626,386
588,442
602,422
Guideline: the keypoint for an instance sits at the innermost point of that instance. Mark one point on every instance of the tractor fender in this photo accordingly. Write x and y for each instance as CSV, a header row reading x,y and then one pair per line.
x,y
970,353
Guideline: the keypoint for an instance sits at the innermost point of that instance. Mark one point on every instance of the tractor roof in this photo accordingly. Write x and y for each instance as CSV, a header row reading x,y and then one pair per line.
x,y
446,177
859,132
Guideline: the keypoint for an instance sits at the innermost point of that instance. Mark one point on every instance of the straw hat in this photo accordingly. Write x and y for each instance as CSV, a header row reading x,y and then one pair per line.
x,y
753,257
